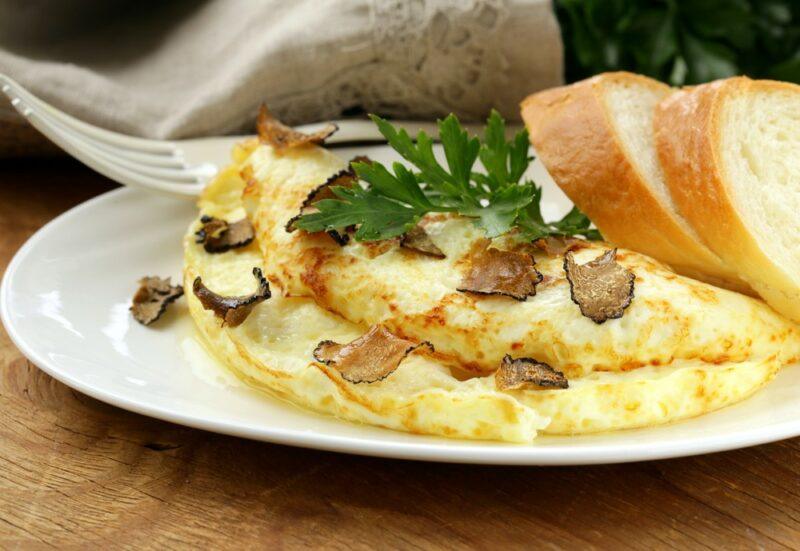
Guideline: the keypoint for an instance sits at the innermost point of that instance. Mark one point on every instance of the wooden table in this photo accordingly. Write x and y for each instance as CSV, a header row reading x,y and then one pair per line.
x,y
76,471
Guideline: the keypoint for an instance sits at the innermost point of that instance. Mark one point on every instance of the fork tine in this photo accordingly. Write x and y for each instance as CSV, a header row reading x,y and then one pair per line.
x,y
9,86
148,159
177,172
173,160
170,174
112,170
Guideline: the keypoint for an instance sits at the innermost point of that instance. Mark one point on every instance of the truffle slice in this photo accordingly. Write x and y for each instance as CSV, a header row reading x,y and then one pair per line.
x,y
232,310
496,272
219,236
417,239
557,246
341,239
152,298
517,373
370,358
601,288
273,132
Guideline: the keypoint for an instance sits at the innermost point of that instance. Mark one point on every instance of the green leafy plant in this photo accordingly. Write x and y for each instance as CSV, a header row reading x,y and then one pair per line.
x,y
393,201
682,41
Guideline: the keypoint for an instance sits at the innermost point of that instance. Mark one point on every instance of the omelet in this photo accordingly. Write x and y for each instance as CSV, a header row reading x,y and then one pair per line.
x,y
273,349
672,318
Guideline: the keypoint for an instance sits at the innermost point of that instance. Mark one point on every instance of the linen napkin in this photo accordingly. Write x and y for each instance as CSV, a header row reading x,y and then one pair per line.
x,y
188,68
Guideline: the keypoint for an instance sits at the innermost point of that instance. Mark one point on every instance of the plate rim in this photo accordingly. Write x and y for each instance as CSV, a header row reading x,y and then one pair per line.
x,y
455,451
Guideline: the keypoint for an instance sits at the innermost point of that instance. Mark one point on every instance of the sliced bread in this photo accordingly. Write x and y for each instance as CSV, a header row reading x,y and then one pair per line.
x,y
595,138
730,151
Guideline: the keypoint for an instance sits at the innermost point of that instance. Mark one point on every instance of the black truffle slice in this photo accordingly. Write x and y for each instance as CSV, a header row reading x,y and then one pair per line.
x,y
152,298
368,359
557,246
219,236
341,239
496,272
601,288
516,373
417,239
281,137
232,310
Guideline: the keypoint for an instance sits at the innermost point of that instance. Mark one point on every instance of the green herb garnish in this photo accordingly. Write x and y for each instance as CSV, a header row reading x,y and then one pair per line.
x,y
393,201
681,41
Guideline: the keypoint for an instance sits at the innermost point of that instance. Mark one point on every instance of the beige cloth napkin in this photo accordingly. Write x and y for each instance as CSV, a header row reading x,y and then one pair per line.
x,y
182,69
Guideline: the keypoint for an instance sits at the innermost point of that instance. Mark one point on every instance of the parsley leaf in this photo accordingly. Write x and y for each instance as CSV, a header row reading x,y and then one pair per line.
x,y
532,226
390,202
681,41
421,156
376,215
401,186
505,162
499,215
460,150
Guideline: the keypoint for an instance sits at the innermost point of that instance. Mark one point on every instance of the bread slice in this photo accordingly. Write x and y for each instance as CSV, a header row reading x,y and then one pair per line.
x,y
731,157
595,137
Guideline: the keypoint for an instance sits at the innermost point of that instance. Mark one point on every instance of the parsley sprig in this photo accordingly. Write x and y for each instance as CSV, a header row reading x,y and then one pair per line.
x,y
393,201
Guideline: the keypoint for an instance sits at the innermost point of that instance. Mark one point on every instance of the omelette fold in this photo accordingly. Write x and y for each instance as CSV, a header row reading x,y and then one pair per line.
x,y
681,349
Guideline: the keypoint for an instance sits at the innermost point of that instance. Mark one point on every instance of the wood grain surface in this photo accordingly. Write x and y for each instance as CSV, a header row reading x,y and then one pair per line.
x,y
75,472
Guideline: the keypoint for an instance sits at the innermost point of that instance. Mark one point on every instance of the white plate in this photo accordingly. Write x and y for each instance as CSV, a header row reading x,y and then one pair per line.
x,y
64,302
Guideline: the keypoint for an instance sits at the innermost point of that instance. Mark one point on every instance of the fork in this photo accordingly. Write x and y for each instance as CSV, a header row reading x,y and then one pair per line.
x,y
179,168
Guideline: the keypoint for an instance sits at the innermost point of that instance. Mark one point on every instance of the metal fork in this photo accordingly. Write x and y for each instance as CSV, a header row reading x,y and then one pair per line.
x,y
178,168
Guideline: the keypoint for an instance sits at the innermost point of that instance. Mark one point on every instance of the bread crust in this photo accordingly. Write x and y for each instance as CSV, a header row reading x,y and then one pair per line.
x,y
574,137
688,128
